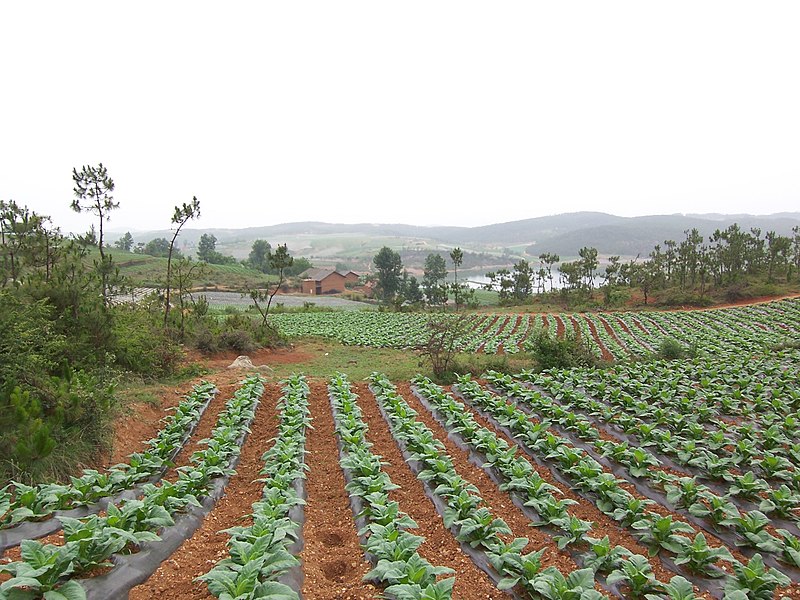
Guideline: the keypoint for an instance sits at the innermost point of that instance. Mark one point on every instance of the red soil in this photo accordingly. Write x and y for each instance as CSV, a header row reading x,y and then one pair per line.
x,y
604,353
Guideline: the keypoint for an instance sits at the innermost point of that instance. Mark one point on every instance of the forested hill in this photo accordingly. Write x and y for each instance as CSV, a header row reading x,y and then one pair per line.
x,y
563,234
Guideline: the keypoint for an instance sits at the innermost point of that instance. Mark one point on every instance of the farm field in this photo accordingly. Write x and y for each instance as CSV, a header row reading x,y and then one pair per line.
x,y
611,335
640,479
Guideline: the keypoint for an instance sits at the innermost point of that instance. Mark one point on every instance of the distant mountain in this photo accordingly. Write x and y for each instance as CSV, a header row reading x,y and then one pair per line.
x,y
563,234
638,235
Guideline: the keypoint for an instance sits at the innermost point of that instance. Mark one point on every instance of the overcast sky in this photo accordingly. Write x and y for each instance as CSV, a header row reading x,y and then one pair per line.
x,y
430,112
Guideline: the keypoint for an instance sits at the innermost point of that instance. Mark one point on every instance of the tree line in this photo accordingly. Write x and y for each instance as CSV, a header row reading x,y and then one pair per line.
x,y
395,286
693,267
67,339
258,259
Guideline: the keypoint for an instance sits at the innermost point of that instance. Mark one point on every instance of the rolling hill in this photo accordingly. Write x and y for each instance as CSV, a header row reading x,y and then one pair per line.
x,y
499,243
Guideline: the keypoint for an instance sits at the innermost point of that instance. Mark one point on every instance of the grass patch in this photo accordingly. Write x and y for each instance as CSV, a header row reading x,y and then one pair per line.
x,y
487,297
149,271
138,390
327,357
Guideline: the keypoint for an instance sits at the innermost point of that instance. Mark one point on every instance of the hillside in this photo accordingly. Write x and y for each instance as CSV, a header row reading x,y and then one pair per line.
x,y
149,271
501,243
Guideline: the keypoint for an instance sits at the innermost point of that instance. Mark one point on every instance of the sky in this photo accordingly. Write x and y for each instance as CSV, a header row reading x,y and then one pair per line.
x,y
421,112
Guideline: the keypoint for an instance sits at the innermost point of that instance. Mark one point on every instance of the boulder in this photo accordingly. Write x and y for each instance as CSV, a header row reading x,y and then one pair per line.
x,y
244,362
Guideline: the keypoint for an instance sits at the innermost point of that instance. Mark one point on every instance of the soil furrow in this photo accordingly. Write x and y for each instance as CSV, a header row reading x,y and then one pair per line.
x,y
206,425
174,579
603,525
333,561
500,503
605,353
440,547
561,329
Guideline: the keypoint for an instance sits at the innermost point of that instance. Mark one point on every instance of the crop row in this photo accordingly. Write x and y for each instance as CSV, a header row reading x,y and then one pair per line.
x,y
19,502
659,532
464,513
260,554
615,335
637,465
384,526
52,570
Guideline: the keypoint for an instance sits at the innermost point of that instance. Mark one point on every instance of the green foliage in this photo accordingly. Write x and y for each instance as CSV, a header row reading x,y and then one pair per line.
x,y
672,349
389,268
637,574
30,347
434,275
125,243
559,353
141,345
50,414
159,247
699,557
678,588
754,581
207,251
259,256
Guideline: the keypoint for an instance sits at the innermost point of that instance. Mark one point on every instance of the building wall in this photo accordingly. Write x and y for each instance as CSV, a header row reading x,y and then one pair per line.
x,y
332,283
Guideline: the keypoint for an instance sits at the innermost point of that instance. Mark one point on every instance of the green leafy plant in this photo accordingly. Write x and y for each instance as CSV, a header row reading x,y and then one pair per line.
x,y
40,572
678,588
661,532
752,527
637,574
578,585
754,581
602,556
699,557
480,526
574,529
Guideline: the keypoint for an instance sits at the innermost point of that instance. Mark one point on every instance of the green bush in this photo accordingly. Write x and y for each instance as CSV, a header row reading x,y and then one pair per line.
x,y
678,297
672,349
239,332
238,340
561,353
30,348
141,344
48,431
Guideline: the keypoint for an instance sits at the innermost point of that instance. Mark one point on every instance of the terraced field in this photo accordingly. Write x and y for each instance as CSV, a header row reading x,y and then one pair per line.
x,y
654,479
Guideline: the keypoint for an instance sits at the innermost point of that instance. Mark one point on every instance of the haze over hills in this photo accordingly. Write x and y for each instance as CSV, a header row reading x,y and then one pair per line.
x,y
563,234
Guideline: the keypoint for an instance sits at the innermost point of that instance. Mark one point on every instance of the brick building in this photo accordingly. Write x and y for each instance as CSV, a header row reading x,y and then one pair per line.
x,y
326,281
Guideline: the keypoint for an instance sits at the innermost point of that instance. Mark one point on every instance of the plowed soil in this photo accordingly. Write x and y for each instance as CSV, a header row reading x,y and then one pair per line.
x,y
175,577
333,563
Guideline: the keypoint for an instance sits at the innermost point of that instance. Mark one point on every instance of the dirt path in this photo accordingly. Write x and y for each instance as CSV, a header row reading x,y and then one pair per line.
x,y
263,356
561,329
605,354
333,562
175,577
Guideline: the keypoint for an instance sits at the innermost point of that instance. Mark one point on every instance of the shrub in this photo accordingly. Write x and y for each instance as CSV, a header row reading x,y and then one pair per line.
x,y
672,349
441,344
141,345
561,353
205,341
238,340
